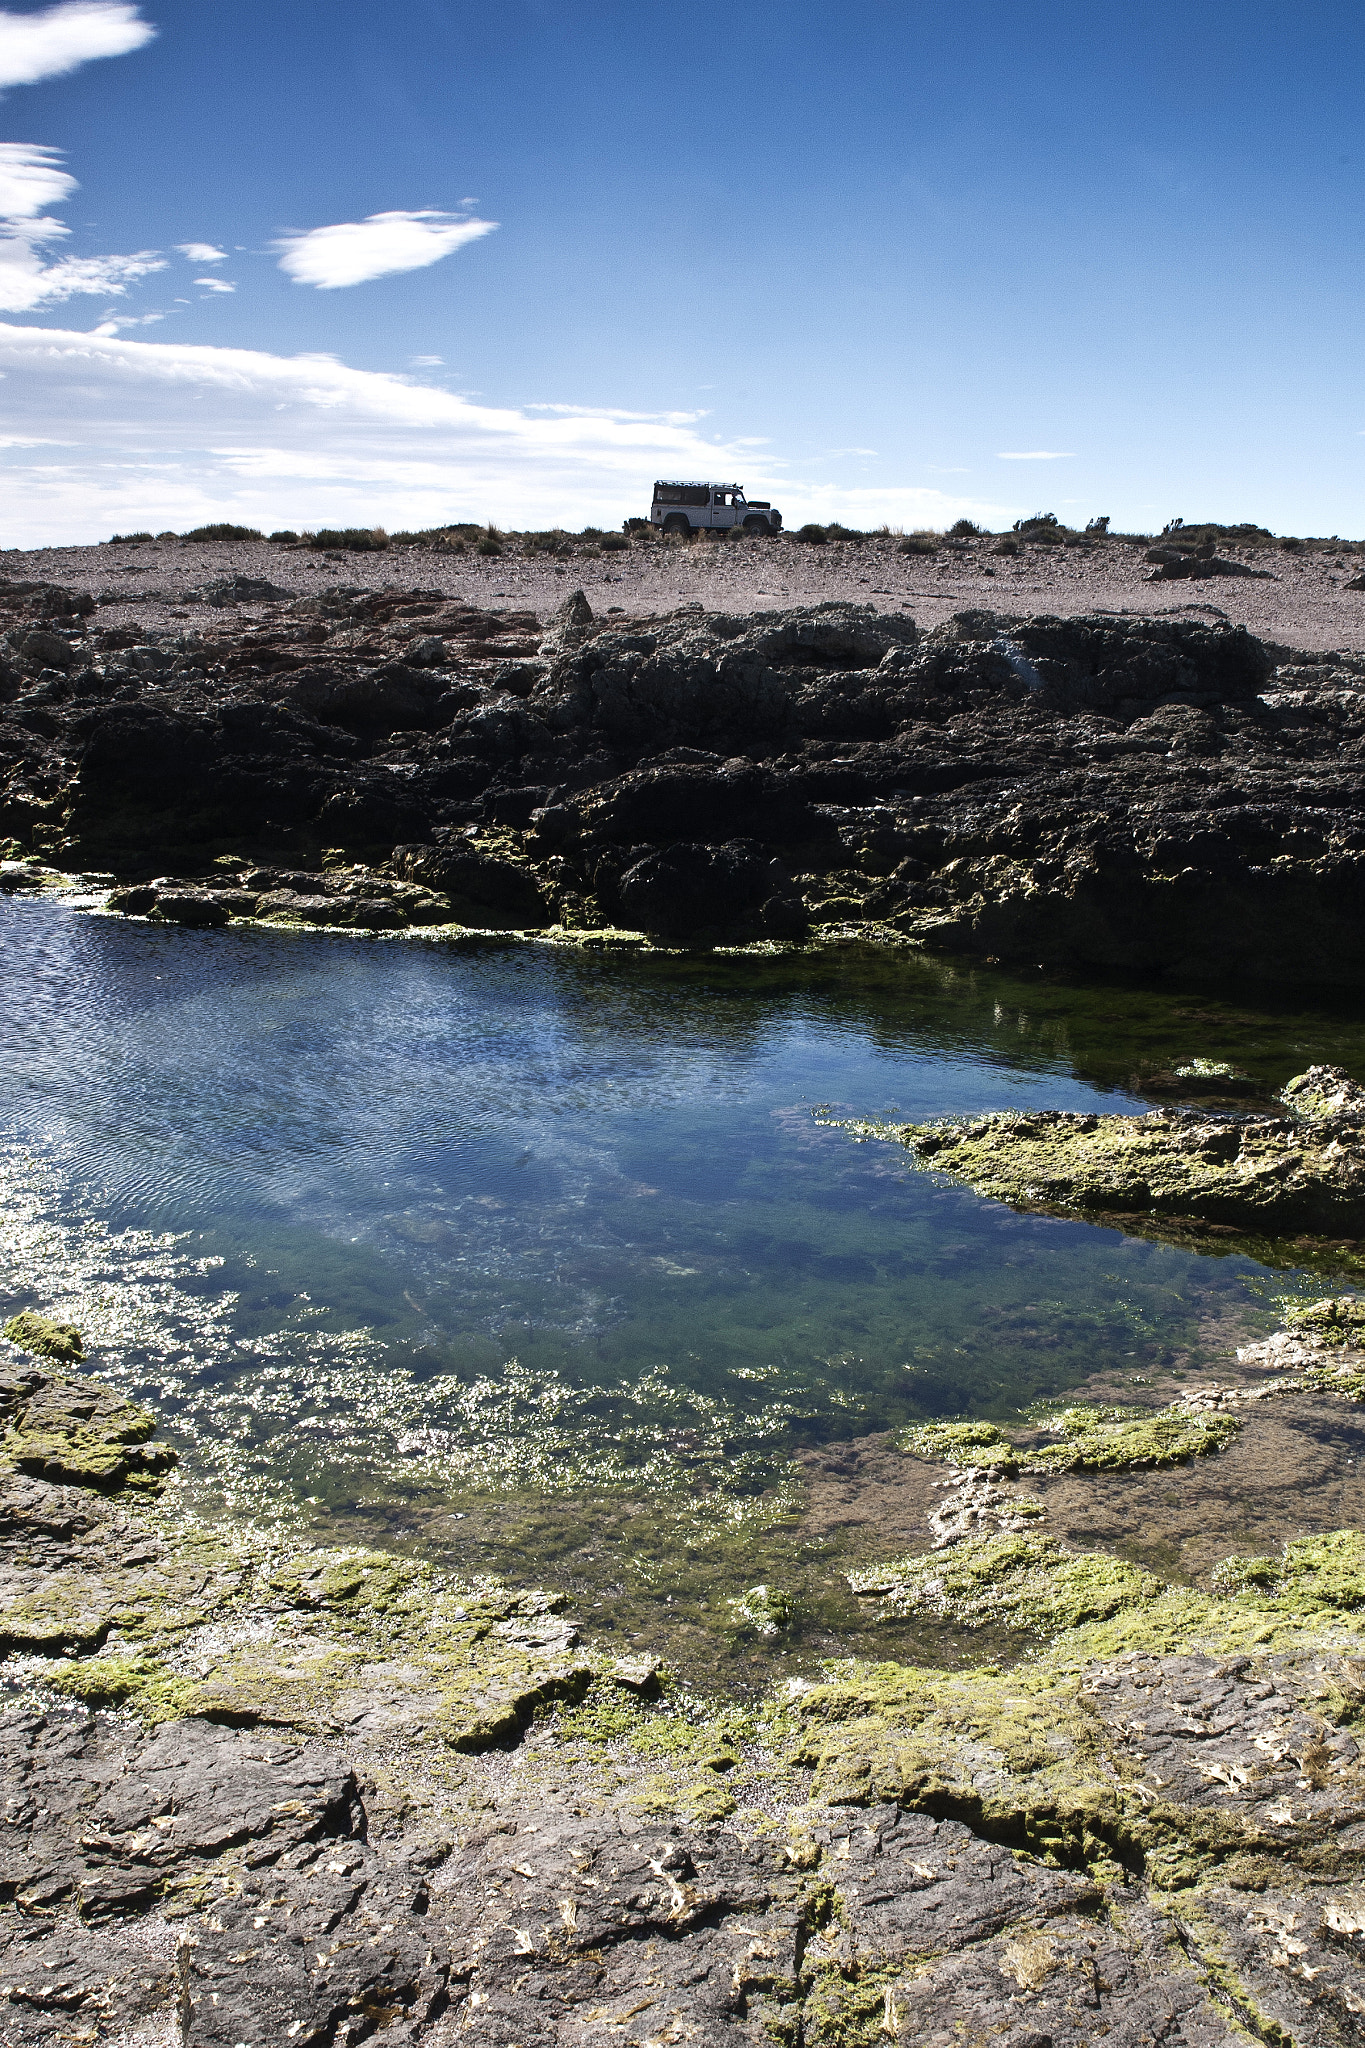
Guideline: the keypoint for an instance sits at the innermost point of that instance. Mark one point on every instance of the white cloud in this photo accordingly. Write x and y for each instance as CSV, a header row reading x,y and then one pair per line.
x,y
31,178
201,252
27,281
353,252
1039,455
58,39
425,362
215,284
116,325
175,435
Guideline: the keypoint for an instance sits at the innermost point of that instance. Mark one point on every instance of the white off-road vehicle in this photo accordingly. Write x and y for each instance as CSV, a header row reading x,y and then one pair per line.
x,y
684,508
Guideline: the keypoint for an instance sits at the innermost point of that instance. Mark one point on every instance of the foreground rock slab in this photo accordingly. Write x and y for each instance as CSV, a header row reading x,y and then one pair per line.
x,y
257,1792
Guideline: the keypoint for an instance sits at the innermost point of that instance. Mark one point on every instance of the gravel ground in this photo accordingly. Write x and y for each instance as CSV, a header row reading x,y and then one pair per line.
x,y
1305,605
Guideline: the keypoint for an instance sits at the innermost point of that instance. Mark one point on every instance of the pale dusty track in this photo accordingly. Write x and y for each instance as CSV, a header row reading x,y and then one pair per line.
x,y
1305,605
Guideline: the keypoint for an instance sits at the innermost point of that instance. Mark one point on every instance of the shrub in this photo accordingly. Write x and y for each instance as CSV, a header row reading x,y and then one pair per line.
x,y
919,544
125,538
815,535
1006,546
612,543
964,529
222,529
488,546
834,531
591,533
168,535
358,540
1097,528
635,526
284,534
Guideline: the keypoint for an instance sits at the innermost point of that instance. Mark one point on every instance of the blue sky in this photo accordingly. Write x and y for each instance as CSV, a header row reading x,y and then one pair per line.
x,y
881,262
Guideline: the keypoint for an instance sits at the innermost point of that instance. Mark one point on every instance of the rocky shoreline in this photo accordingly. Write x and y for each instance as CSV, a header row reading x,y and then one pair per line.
x,y
259,1791
1152,795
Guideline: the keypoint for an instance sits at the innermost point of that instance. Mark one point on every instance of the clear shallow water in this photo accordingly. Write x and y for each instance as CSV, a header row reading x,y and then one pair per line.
x,y
385,1228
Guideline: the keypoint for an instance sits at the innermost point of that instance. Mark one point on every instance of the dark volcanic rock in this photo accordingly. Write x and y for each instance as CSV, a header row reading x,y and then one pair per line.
x,y
1176,564
482,890
1137,793
688,889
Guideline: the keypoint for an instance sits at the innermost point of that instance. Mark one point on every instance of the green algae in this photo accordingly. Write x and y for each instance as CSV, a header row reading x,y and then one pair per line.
x,y
969,1443
1026,1582
1092,1439
1088,1605
46,1338
1313,1576
139,1684
1017,1756
1096,1439
766,1610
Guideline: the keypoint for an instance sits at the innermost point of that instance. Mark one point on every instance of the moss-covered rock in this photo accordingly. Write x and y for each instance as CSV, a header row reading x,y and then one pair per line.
x,y
1272,1174
1324,1092
46,1338
78,1433
1338,1322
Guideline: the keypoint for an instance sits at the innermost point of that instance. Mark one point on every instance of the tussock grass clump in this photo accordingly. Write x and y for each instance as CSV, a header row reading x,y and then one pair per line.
x,y
220,529
1044,529
919,544
284,536
357,540
126,539
965,529
814,536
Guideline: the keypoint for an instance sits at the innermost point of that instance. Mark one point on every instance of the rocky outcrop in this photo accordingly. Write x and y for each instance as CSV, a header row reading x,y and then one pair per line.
x,y
1150,794
1276,1175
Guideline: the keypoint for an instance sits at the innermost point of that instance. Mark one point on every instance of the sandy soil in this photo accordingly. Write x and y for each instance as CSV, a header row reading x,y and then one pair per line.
x,y
1305,605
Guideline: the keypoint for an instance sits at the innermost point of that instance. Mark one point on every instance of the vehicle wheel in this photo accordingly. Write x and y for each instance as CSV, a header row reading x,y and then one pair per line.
x,y
753,524
677,522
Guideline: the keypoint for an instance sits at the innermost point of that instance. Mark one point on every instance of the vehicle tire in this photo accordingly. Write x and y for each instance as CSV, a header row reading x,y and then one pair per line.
x,y
677,522
757,525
